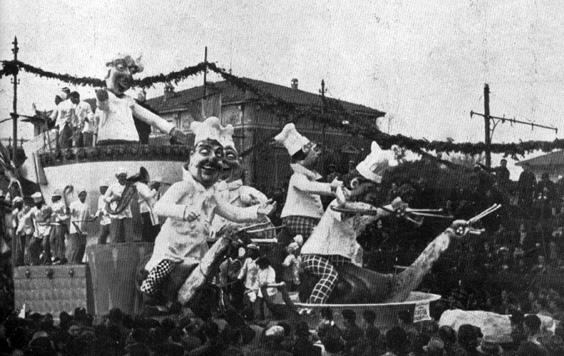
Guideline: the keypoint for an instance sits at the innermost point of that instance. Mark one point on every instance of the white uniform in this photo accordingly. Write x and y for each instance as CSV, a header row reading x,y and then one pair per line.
x,y
116,119
180,240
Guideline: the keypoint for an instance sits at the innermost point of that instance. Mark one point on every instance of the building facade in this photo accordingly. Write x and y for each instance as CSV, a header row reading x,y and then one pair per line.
x,y
266,163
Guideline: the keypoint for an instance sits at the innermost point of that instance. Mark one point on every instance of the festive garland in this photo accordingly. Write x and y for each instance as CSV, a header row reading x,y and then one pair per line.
x,y
332,114
175,77
13,67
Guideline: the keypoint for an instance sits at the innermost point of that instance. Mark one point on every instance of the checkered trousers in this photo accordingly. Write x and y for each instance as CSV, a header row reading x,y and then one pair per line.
x,y
300,225
323,267
156,275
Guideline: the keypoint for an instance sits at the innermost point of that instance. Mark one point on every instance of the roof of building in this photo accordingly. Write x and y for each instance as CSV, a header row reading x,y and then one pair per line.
x,y
550,159
231,94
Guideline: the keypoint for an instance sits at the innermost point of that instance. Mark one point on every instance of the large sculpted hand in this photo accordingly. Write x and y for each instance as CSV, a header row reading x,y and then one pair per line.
x,y
178,137
460,228
190,215
266,209
335,184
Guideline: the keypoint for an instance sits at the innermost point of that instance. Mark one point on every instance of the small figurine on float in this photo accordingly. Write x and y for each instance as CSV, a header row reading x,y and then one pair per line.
x,y
122,120
333,241
190,206
231,187
303,207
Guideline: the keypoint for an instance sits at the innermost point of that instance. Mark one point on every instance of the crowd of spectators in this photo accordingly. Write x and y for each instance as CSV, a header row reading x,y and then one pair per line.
x,y
505,270
121,334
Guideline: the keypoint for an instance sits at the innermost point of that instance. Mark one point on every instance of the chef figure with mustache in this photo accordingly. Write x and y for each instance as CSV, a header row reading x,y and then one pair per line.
x,y
191,204
122,120
333,240
303,208
231,187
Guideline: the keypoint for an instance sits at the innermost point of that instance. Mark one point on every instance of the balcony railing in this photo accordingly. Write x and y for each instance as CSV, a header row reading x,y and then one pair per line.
x,y
135,152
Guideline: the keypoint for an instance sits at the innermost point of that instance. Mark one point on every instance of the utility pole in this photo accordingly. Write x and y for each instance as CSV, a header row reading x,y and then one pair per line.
x,y
205,70
15,103
488,140
322,92
489,129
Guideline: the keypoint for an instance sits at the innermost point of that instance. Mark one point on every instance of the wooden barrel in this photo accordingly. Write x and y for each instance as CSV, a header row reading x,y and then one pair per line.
x,y
113,268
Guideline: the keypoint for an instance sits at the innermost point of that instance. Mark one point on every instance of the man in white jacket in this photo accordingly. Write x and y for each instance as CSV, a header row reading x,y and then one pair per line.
x,y
303,207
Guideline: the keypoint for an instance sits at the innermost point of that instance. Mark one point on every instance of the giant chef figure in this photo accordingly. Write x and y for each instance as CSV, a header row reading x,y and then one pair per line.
x,y
122,119
190,205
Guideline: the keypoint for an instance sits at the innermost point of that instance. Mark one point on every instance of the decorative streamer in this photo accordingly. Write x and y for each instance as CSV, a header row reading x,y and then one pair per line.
x,y
333,114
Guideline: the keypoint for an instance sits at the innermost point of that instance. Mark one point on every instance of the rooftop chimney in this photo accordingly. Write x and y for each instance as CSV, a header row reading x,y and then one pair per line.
x,y
294,83
168,91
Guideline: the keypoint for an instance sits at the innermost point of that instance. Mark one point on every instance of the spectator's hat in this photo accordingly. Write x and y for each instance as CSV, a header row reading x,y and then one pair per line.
x,y
17,200
375,164
80,190
209,129
37,197
134,64
57,193
226,136
252,246
292,140
489,346
104,183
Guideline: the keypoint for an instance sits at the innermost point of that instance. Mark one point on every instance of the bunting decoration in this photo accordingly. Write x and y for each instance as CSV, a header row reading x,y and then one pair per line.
x,y
331,114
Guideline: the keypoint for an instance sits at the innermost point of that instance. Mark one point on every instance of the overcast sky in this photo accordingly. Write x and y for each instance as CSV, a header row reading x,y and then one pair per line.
x,y
423,63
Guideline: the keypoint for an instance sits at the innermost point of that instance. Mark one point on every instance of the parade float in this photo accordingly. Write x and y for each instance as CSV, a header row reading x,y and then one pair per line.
x,y
109,277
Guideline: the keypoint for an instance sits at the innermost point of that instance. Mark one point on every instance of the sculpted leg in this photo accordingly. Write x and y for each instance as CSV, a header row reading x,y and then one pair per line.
x,y
199,275
155,277
369,286
320,267
408,280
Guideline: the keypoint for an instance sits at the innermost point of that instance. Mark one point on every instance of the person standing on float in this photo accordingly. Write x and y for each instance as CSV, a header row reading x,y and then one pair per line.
x,y
121,223
147,198
103,214
303,207
120,116
59,226
63,116
80,216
